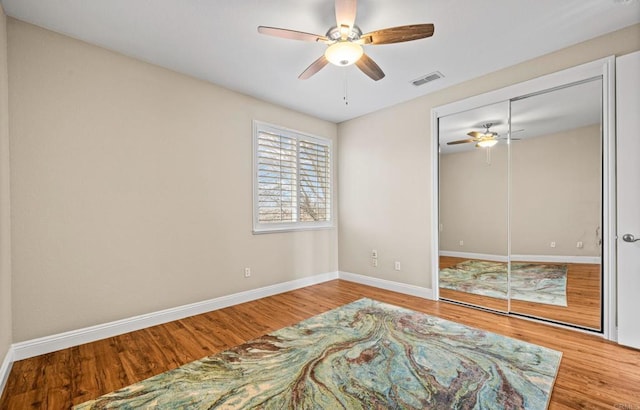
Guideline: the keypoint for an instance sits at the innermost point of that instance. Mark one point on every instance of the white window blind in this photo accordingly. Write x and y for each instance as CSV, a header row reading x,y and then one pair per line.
x,y
277,176
314,174
292,181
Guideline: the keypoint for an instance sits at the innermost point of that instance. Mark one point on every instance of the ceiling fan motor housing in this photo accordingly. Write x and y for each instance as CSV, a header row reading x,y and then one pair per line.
x,y
335,34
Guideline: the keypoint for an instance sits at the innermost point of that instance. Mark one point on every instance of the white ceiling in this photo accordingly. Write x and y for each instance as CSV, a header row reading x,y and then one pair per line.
x,y
217,41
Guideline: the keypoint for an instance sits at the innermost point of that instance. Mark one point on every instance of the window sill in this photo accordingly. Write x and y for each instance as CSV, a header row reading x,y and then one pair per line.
x,y
289,228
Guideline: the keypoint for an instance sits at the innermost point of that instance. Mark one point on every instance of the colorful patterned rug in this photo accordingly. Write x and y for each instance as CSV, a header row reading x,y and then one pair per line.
x,y
364,355
531,282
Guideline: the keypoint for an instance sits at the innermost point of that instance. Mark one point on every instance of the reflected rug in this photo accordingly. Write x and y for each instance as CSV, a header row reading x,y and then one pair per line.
x,y
530,282
363,355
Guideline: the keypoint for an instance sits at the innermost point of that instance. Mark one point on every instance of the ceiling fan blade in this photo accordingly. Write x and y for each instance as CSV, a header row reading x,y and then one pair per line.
x,y
291,34
370,68
346,12
314,67
461,141
398,34
476,134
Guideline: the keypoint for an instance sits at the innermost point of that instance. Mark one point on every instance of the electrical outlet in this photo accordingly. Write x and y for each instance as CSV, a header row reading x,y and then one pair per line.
x,y
461,243
374,262
374,253
552,244
247,272
579,245
397,265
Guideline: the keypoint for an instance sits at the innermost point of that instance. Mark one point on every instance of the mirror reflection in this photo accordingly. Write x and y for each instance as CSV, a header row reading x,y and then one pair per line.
x,y
473,206
520,190
556,204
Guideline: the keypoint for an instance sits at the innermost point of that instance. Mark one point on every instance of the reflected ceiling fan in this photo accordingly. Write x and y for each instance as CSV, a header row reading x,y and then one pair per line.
x,y
486,139
345,41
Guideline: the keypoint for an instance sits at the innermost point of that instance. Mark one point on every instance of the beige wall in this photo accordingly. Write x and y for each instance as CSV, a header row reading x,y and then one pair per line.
x,y
385,166
5,229
555,196
132,188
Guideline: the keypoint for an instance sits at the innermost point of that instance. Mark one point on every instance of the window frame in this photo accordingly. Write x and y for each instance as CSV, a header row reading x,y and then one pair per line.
x,y
261,227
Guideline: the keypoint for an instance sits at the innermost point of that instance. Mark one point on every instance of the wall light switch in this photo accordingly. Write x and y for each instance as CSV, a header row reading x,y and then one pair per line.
x,y
579,245
397,265
461,243
552,244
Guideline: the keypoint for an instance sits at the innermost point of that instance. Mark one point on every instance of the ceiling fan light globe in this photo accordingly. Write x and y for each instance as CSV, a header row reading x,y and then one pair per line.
x,y
487,143
343,53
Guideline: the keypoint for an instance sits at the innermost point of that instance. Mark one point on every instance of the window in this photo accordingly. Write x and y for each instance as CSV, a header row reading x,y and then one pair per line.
x,y
292,179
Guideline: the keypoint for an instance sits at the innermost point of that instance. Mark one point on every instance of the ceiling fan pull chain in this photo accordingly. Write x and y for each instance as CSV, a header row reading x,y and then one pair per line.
x,y
345,97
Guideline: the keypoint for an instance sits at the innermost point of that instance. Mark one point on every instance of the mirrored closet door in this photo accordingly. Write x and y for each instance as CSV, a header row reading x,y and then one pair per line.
x,y
473,171
521,205
556,205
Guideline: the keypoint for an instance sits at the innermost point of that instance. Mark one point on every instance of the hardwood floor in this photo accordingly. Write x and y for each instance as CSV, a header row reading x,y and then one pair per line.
x,y
583,297
593,374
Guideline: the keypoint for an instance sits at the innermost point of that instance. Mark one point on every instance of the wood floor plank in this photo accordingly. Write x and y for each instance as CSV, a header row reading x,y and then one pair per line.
x,y
594,373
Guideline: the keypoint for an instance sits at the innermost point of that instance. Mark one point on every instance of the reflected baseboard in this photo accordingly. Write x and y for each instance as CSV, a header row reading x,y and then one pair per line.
x,y
470,255
596,260
524,258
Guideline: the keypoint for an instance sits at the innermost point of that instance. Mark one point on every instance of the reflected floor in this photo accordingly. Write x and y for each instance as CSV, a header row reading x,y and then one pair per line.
x,y
583,297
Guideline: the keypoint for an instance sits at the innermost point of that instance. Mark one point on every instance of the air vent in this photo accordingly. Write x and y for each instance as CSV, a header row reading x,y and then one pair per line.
x,y
427,78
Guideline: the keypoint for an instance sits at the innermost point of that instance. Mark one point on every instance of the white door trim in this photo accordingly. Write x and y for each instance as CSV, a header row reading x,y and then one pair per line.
x,y
628,197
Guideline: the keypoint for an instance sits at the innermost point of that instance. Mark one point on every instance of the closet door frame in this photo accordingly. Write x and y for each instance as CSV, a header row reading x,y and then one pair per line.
x,y
604,67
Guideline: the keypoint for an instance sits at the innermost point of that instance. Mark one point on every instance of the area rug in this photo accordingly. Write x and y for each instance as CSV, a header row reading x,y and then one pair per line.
x,y
530,282
364,355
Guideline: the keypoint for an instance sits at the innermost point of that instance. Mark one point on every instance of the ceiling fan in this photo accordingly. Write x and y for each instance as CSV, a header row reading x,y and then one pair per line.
x,y
345,41
486,139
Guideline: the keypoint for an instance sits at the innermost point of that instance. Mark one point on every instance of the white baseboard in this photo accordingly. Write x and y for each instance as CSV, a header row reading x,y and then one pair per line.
x,y
5,369
48,344
524,258
407,289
